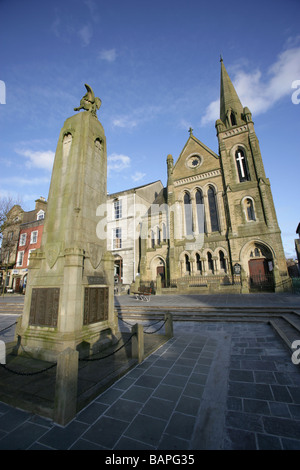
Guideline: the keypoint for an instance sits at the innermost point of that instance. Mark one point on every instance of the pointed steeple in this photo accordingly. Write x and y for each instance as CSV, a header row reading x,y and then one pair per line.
x,y
231,109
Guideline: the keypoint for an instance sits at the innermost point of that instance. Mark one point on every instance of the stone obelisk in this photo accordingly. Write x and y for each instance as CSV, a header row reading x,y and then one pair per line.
x,y
69,294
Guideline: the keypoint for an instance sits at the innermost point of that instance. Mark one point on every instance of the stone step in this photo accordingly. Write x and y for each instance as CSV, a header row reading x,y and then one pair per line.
x,y
287,330
209,313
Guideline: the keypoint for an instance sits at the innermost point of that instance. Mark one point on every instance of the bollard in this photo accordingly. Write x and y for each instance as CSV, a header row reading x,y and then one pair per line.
x,y
137,347
169,325
65,402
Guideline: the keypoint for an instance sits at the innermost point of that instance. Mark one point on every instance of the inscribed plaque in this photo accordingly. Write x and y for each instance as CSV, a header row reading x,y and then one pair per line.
x,y
44,306
95,305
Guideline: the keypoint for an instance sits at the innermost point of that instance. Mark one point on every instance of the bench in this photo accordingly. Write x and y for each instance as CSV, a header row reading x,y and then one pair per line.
x,y
143,293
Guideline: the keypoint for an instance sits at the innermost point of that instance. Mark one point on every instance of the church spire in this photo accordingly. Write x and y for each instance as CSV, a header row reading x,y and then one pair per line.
x,y
231,109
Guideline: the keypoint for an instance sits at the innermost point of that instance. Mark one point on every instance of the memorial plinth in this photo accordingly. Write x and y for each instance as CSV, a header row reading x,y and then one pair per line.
x,y
69,294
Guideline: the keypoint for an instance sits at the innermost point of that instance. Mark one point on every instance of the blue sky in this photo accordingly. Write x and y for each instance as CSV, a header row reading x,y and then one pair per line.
x,y
155,66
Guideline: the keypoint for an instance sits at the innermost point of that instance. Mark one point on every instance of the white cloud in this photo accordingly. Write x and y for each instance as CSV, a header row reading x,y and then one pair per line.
x,y
22,181
125,122
117,162
260,92
38,159
184,124
137,117
85,34
137,176
109,55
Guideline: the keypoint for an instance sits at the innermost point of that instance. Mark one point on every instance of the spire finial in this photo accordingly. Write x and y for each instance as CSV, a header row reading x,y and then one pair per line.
x,y
191,131
221,58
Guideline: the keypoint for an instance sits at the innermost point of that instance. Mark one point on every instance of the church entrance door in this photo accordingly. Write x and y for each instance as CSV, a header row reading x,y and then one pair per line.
x,y
260,276
160,271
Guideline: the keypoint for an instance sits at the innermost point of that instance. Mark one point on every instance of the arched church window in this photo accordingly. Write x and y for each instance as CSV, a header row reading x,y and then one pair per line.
x,y
188,214
222,261
213,212
242,167
210,262
152,241
200,211
164,232
257,252
233,119
158,236
249,209
198,263
187,264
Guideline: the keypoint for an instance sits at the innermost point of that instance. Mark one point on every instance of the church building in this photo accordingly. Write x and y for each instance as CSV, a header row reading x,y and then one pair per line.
x,y
213,228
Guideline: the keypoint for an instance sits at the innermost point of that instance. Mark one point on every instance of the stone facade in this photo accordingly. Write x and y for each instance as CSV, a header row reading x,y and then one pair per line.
x,y
124,214
215,226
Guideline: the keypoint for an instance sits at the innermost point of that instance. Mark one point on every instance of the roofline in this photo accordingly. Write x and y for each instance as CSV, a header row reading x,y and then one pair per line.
x,y
134,189
201,144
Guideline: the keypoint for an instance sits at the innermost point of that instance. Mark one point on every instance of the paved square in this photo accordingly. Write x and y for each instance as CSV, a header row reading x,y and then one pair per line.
x,y
212,386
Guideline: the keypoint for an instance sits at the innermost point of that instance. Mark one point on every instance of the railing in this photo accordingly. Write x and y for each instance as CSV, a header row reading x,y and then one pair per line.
x,y
205,281
261,282
296,285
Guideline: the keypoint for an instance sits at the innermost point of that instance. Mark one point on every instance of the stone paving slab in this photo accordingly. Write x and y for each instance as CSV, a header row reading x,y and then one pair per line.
x,y
212,386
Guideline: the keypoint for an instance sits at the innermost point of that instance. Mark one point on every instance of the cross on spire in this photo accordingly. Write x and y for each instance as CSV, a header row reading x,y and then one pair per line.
x,y
191,131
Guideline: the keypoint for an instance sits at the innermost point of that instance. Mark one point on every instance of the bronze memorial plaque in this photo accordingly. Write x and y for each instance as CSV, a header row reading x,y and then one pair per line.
x,y
44,306
95,305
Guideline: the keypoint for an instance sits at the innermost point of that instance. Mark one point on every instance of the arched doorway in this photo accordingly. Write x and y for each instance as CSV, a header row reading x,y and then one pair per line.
x,y
261,267
158,269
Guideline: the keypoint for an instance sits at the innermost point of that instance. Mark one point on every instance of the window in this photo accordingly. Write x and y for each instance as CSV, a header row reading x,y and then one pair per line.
x,y
212,204
20,258
117,209
152,239
22,239
188,214
222,261
164,232
257,253
117,238
158,236
29,253
40,215
198,263
242,167
210,263
34,237
187,264
200,211
233,119
249,209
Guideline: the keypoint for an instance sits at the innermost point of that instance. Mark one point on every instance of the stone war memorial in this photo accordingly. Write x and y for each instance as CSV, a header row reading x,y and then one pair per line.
x,y
69,295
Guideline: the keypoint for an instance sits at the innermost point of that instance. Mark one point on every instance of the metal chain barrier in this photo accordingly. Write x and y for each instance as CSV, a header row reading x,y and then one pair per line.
x,y
8,327
146,326
27,373
111,354
152,332
4,366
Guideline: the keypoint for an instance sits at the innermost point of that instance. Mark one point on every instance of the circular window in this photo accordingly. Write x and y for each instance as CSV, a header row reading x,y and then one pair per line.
x,y
193,161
